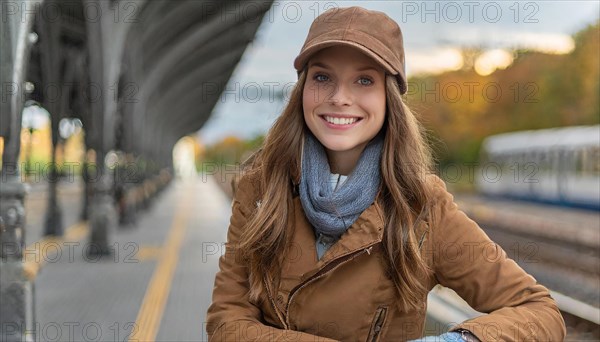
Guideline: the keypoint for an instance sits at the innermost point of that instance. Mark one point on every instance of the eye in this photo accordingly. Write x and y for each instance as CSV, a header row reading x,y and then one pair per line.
x,y
365,81
321,78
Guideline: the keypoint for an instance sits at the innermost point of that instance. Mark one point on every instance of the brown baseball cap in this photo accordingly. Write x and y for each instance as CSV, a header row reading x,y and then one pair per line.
x,y
373,32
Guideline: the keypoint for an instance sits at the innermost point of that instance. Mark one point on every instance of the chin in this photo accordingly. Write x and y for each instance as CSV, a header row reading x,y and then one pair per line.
x,y
337,145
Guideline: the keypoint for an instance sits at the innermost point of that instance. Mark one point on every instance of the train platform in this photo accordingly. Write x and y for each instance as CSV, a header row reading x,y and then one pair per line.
x,y
155,286
70,198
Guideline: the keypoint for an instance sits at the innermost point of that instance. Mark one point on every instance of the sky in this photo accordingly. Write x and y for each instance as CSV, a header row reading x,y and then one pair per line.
x,y
433,32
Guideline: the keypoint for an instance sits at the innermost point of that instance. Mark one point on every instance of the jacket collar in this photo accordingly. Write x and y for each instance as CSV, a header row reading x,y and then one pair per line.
x,y
365,232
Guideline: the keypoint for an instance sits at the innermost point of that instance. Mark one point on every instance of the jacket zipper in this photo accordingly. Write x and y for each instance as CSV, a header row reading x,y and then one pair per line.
x,y
320,274
272,301
377,324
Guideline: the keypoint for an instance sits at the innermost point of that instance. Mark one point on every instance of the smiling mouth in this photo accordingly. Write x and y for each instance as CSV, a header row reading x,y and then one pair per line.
x,y
340,120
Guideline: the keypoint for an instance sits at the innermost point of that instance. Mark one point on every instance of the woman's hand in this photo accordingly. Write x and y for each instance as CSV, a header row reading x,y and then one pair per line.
x,y
454,336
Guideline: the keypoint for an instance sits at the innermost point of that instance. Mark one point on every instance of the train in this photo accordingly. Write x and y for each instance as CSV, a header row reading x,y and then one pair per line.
x,y
557,166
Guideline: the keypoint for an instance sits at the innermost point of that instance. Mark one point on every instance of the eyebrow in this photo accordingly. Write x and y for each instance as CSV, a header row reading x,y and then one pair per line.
x,y
325,66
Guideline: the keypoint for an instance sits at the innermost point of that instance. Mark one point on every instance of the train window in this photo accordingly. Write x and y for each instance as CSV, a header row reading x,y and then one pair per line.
x,y
555,156
544,162
592,161
500,159
580,156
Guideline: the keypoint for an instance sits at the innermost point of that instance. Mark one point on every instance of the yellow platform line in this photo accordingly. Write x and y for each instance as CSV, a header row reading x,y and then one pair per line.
x,y
154,302
36,255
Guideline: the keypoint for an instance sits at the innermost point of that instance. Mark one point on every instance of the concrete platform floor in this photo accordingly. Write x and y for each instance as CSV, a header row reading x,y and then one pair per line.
x,y
156,285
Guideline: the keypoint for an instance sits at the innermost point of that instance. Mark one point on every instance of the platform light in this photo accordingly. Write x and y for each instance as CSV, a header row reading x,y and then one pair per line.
x,y
29,87
34,116
68,127
32,38
111,160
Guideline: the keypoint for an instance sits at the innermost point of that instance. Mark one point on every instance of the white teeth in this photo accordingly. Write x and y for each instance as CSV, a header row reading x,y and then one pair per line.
x,y
340,121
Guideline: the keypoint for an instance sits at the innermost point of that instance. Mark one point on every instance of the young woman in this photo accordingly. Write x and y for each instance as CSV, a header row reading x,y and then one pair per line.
x,y
339,229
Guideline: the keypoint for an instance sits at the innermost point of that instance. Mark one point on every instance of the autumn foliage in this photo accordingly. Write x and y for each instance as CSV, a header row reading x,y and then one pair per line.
x,y
460,108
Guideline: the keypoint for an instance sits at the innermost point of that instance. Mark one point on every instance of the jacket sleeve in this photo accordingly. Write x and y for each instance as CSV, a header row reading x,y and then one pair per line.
x,y
231,316
467,261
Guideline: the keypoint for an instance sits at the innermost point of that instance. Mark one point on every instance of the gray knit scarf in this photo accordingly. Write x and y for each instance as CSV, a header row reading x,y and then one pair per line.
x,y
332,213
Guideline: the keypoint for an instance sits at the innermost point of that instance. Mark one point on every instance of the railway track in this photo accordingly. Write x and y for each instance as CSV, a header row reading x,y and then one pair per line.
x,y
445,308
563,270
560,247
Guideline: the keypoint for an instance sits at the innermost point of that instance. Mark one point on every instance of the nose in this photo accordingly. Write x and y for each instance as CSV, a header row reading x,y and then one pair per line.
x,y
340,95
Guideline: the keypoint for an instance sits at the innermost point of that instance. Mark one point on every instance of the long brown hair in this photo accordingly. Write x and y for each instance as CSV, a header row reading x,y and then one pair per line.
x,y
405,161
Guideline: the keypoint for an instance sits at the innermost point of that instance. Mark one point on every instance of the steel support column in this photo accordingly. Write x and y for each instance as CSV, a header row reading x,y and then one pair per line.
x,y
16,291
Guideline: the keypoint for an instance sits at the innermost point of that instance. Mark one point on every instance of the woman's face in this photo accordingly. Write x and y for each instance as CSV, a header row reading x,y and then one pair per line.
x,y
344,98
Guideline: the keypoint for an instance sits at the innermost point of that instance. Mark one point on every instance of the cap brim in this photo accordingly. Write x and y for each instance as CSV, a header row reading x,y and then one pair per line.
x,y
303,58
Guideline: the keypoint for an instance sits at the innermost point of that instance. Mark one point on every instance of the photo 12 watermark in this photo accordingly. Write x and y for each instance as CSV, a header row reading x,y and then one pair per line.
x,y
70,12
469,11
70,331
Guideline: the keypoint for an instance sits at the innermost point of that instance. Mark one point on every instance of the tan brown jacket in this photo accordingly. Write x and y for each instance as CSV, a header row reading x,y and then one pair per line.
x,y
346,295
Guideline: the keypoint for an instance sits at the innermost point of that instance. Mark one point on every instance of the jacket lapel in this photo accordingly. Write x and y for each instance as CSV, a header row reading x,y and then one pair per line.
x,y
301,261
366,231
